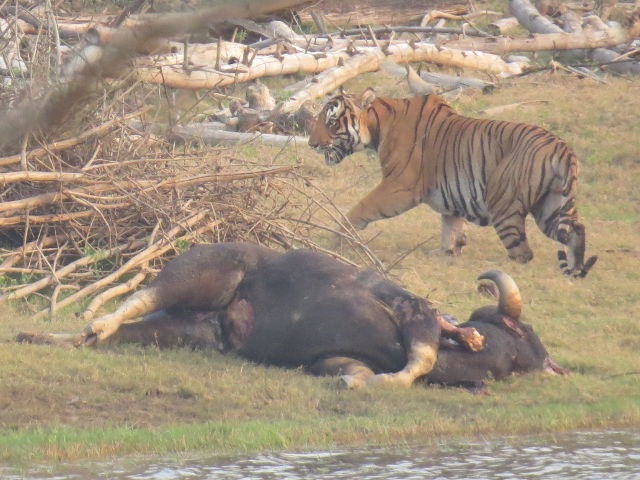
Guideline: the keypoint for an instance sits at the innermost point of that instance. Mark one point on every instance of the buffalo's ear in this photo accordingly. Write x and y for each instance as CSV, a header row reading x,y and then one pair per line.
x,y
367,98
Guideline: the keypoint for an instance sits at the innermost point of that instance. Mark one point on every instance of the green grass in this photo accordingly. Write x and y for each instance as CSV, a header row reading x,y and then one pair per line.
x,y
65,405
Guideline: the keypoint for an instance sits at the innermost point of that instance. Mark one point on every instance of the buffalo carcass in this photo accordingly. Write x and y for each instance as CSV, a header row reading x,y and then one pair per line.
x,y
510,345
295,309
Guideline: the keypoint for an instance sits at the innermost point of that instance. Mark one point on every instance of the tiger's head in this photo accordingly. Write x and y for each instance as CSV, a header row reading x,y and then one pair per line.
x,y
341,127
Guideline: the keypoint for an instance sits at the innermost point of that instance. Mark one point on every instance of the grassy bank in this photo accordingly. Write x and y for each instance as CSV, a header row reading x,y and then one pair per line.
x,y
64,405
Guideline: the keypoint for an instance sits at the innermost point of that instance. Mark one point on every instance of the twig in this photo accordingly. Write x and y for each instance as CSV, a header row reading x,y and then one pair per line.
x,y
155,250
70,142
405,254
112,293
62,272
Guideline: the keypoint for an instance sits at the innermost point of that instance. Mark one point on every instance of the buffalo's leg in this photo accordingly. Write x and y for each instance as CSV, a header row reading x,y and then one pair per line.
x,y
65,340
137,305
420,334
353,373
420,327
203,278
140,303
184,328
454,236
467,336
551,367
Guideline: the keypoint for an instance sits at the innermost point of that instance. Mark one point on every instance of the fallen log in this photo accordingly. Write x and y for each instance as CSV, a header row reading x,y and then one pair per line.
x,y
439,83
375,12
453,82
586,39
533,21
212,136
608,59
370,60
387,30
502,26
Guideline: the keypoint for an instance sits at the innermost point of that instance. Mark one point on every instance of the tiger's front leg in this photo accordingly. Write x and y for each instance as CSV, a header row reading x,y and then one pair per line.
x,y
454,235
387,200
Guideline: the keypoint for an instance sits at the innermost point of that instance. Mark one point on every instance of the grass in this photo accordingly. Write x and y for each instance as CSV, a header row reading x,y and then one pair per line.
x,y
58,405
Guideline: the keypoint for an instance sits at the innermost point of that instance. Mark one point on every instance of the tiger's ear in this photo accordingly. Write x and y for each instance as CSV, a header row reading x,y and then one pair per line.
x,y
367,98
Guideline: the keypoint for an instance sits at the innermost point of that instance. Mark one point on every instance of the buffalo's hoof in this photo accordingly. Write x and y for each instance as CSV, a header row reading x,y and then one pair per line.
x,y
352,381
98,330
390,379
473,340
31,336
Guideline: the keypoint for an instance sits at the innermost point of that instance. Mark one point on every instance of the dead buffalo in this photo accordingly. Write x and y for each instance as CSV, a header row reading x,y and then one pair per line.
x,y
303,308
510,346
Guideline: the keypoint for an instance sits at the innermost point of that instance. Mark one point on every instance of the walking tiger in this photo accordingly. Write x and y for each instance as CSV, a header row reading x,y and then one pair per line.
x,y
488,172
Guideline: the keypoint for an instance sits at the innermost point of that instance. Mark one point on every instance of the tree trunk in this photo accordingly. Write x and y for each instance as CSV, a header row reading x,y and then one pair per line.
x,y
367,59
586,39
531,19
377,12
372,59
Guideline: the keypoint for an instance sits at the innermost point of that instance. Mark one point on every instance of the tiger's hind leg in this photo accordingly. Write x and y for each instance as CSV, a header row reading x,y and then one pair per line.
x,y
454,235
510,227
556,216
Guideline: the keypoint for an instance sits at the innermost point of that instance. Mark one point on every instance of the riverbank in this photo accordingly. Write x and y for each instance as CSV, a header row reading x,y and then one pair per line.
x,y
59,405
561,456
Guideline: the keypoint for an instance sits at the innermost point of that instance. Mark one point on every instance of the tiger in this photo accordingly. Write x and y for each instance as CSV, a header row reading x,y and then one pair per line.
x,y
487,172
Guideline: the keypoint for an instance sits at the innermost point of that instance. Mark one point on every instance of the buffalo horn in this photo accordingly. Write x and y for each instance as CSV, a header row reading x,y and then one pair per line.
x,y
509,301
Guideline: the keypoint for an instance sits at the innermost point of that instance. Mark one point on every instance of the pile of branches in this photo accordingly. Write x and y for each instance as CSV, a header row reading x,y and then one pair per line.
x,y
91,205
100,211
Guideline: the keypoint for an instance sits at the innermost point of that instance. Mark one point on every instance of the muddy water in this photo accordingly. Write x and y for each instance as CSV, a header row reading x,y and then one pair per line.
x,y
588,456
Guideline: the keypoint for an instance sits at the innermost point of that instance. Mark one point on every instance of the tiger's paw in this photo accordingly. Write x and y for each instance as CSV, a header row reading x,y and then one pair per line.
x,y
523,256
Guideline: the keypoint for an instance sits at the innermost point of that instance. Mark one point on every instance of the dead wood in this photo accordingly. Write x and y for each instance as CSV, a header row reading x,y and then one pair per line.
x,y
61,273
586,39
533,21
212,136
154,251
376,12
371,59
502,26
67,143
46,110
132,199
387,30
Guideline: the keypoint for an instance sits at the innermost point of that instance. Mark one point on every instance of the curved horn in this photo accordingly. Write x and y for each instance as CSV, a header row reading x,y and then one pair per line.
x,y
509,301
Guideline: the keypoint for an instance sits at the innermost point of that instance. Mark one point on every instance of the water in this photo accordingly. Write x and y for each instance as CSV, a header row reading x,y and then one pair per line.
x,y
575,456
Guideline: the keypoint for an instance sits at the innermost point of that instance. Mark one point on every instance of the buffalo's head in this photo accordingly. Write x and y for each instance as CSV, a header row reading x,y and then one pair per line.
x,y
530,353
